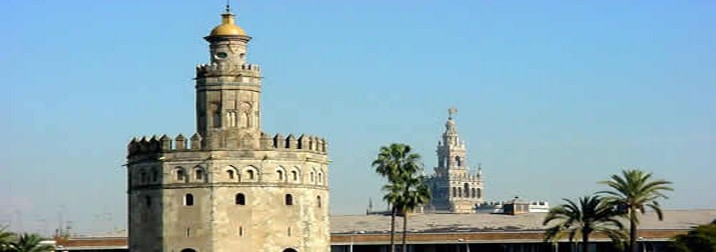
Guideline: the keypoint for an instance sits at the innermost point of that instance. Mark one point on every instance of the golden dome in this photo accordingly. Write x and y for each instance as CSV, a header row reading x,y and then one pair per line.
x,y
227,27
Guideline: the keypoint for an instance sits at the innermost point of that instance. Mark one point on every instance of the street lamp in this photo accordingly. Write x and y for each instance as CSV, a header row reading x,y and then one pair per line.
x,y
467,245
643,243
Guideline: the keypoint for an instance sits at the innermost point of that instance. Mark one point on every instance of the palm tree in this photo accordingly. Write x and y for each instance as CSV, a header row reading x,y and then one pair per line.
x,y
393,195
30,243
6,239
415,194
634,191
580,220
393,162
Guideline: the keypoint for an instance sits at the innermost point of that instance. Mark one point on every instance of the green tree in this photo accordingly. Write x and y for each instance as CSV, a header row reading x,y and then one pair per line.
x,y
415,194
393,162
634,191
699,239
30,243
6,239
581,219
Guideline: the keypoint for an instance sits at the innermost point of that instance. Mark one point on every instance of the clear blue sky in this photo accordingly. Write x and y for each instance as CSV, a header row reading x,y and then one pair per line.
x,y
553,95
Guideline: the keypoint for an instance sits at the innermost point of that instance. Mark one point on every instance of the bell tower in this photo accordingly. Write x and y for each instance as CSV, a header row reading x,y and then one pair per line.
x,y
228,90
454,188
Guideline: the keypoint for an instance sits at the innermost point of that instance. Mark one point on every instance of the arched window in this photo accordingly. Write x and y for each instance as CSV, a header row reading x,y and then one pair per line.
x,y
459,193
240,199
190,250
318,201
285,250
198,174
289,199
479,193
188,199
251,174
294,174
155,174
320,177
279,173
148,200
143,177
231,118
467,190
454,192
472,193
230,174
312,177
180,175
458,162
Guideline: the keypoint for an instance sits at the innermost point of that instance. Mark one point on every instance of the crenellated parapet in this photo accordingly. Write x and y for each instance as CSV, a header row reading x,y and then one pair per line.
x,y
154,144
213,69
303,142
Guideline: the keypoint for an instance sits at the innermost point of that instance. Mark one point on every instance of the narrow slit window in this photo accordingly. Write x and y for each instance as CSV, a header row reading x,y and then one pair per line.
x,y
188,199
289,199
240,199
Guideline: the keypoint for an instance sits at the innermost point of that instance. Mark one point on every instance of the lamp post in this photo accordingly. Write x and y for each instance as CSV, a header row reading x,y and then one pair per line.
x,y
467,245
643,243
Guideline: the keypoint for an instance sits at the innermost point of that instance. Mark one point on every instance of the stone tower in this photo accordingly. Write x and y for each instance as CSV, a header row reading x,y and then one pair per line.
x,y
229,187
453,187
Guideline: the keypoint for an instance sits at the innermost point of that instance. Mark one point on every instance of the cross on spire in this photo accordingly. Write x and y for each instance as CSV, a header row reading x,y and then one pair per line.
x,y
228,7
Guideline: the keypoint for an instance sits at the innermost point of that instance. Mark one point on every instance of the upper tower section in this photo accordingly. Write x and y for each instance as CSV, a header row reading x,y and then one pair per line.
x,y
228,90
228,42
451,151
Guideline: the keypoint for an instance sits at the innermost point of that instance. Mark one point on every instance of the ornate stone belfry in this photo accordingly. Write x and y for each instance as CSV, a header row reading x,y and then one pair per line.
x,y
454,188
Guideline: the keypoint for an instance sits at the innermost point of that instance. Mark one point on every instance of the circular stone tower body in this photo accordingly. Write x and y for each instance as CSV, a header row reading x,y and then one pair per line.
x,y
229,186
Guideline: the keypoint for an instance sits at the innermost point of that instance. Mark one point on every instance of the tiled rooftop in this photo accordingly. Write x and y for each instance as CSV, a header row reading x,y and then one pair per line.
x,y
673,219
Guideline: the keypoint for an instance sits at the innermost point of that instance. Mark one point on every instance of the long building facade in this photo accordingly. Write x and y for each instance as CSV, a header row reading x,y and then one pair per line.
x,y
439,232
230,186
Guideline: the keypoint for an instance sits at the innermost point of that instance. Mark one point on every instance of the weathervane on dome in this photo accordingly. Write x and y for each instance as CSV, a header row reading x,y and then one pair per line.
x,y
452,111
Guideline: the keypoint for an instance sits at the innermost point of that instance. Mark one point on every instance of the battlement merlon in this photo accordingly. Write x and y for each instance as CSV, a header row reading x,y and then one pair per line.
x,y
228,69
154,145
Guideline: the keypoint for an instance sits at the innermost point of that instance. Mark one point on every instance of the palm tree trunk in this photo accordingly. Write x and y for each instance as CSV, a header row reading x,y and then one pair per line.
x,y
585,242
392,229
405,229
632,230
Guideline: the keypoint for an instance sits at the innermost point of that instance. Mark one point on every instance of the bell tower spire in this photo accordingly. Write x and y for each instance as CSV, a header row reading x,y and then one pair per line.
x,y
454,188
451,151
